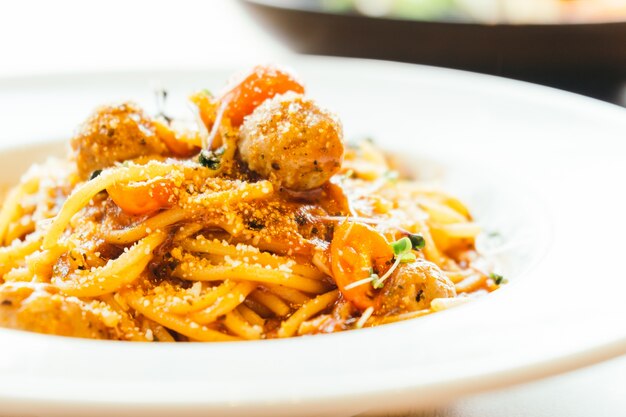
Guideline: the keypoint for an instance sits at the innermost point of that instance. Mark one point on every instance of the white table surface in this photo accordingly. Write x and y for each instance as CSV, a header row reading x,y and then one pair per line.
x,y
596,391
40,37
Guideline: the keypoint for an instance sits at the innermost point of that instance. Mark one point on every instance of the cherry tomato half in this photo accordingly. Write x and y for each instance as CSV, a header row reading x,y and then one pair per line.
x,y
262,83
356,250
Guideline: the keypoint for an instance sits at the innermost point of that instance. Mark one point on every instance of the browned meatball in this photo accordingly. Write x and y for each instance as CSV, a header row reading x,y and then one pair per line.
x,y
293,142
40,310
413,286
114,134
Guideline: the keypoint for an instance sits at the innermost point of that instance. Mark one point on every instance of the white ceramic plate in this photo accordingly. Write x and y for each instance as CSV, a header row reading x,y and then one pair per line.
x,y
544,167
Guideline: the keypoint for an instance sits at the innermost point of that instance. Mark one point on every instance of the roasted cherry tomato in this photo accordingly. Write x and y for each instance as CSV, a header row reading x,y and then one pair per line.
x,y
262,83
143,197
357,250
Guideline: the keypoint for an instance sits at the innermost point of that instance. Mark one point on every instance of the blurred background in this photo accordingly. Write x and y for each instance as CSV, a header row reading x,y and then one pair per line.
x,y
577,45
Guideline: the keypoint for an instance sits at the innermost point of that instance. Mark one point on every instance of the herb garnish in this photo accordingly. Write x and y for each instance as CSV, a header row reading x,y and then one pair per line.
x,y
161,97
211,159
255,224
417,241
95,174
497,278
402,251
376,281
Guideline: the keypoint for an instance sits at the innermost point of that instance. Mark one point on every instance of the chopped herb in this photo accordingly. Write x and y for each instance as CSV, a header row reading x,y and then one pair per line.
x,y
255,224
211,159
417,241
300,219
207,92
95,174
165,268
497,278
401,246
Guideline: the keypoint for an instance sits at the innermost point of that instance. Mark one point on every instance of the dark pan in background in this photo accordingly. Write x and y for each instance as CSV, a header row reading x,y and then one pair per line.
x,y
587,58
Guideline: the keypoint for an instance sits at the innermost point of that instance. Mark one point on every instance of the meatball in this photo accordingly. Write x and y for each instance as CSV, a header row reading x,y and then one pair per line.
x,y
40,310
114,134
413,286
293,142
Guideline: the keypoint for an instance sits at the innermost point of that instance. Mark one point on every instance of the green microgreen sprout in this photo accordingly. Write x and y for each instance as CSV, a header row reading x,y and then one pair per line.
x,y
407,258
402,245
160,95
376,282
417,241
402,251
497,278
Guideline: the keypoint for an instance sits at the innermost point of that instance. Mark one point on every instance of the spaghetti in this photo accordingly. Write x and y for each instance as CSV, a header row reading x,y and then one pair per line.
x,y
258,223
